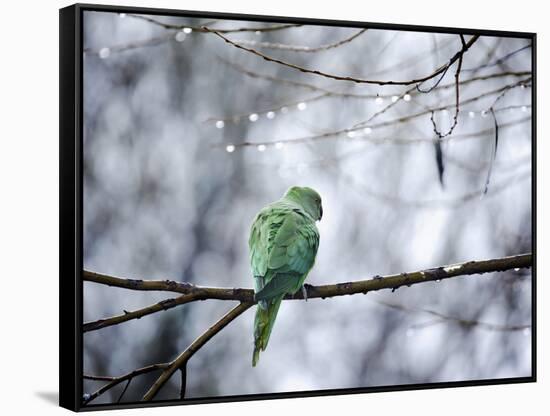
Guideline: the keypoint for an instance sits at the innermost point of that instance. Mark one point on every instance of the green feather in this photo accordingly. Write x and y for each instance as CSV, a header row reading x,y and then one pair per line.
x,y
263,324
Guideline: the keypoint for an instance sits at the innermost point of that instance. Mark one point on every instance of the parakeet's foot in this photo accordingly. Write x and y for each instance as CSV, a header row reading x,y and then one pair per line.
x,y
304,290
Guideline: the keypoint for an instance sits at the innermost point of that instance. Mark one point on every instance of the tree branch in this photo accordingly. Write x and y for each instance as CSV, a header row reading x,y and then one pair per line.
x,y
330,92
457,102
164,25
128,316
359,126
295,48
238,117
443,68
393,201
114,381
323,291
466,323
499,60
181,360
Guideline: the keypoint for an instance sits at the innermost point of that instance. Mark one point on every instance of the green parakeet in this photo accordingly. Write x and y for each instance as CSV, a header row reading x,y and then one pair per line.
x,y
283,243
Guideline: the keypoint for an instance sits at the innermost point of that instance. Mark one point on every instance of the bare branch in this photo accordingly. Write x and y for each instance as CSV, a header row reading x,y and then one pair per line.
x,y
459,163
237,117
434,74
326,93
183,382
469,323
457,101
358,126
313,87
97,378
128,316
181,360
124,390
114,381
499,60
324,291
295,48
395,201
482,165
413,60
272,28
496,128
199,292
158,40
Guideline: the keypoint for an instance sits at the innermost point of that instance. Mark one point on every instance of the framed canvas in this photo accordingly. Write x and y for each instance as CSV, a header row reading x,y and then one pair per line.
x,y
258,207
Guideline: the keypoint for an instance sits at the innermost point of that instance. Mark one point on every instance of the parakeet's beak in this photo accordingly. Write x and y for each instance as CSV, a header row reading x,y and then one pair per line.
x,y
321,213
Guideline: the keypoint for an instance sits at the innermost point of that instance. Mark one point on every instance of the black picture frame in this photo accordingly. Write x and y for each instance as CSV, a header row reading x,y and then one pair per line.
x,y
71,204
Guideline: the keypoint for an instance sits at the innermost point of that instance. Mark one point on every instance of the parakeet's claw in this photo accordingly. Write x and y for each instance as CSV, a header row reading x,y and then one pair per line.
x,y
304,292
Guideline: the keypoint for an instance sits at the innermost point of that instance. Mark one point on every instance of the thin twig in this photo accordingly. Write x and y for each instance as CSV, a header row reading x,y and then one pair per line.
x,y
97,378
457,102
348,78
493,152
334,93
238,117
114,381
326,93
394,201
358,126
183,381
499,60
411,61
482,165
201,29
124,391
158,40
295,48
430,89
460,321
496,129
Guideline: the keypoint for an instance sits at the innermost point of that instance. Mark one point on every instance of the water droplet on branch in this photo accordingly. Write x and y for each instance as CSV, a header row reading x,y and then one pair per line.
x,y
104,53
180,36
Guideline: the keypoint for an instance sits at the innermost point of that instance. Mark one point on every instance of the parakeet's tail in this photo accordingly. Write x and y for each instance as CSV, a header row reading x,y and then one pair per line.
x,y
263,324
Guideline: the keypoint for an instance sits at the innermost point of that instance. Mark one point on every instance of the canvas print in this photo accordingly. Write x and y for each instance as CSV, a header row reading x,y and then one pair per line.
x,y
277,208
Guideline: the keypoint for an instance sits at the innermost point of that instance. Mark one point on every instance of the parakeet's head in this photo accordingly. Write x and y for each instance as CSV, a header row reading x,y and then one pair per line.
x,y
308,198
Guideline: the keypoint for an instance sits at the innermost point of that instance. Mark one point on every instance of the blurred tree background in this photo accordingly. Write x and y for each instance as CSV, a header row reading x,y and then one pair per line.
x,y
187,136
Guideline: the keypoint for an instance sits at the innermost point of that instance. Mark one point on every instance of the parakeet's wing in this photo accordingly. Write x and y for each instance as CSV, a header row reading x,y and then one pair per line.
x,y
283,251
264,228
